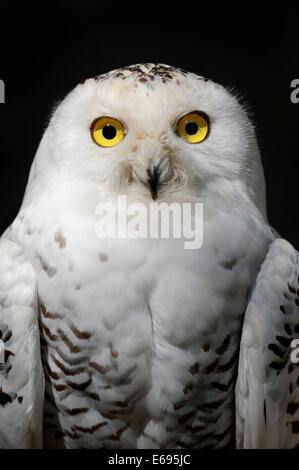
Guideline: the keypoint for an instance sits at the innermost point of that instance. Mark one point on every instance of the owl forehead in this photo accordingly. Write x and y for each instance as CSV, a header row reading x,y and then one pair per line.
x,y
154,91
146,73
156,81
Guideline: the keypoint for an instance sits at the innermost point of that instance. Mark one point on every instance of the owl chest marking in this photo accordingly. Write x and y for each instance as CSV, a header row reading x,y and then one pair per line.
x,y
77,384
99,371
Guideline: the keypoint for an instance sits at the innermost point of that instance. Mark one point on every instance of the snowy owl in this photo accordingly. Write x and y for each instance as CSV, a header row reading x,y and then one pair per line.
x,y
140,342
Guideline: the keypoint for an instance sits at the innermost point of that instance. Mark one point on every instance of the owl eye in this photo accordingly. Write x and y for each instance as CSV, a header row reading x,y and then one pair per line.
x,y
107,131
194,127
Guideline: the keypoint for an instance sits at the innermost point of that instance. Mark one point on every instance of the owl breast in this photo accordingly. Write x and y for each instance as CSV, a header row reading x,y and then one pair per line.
x,y
140,338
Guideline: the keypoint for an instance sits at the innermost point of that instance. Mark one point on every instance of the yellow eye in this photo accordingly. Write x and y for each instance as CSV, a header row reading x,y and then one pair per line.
x,y
107,131
194,127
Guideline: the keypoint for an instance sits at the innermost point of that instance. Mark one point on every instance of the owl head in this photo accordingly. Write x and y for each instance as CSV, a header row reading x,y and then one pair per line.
x,y
155,132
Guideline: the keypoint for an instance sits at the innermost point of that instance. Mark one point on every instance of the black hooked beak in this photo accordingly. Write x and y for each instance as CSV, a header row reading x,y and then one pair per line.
x,y
153,181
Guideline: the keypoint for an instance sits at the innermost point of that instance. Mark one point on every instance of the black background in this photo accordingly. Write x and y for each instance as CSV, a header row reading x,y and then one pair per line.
x,y
46,49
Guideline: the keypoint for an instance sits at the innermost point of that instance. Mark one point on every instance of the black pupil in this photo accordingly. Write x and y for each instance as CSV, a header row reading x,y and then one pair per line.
x,y
109,131
191,128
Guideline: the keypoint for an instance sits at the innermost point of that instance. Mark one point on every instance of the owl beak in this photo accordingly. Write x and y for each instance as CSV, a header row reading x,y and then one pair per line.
x,y
153,180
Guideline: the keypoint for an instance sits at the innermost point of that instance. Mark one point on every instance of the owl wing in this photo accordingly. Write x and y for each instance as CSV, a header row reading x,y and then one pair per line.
x,y
267,392
21,375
